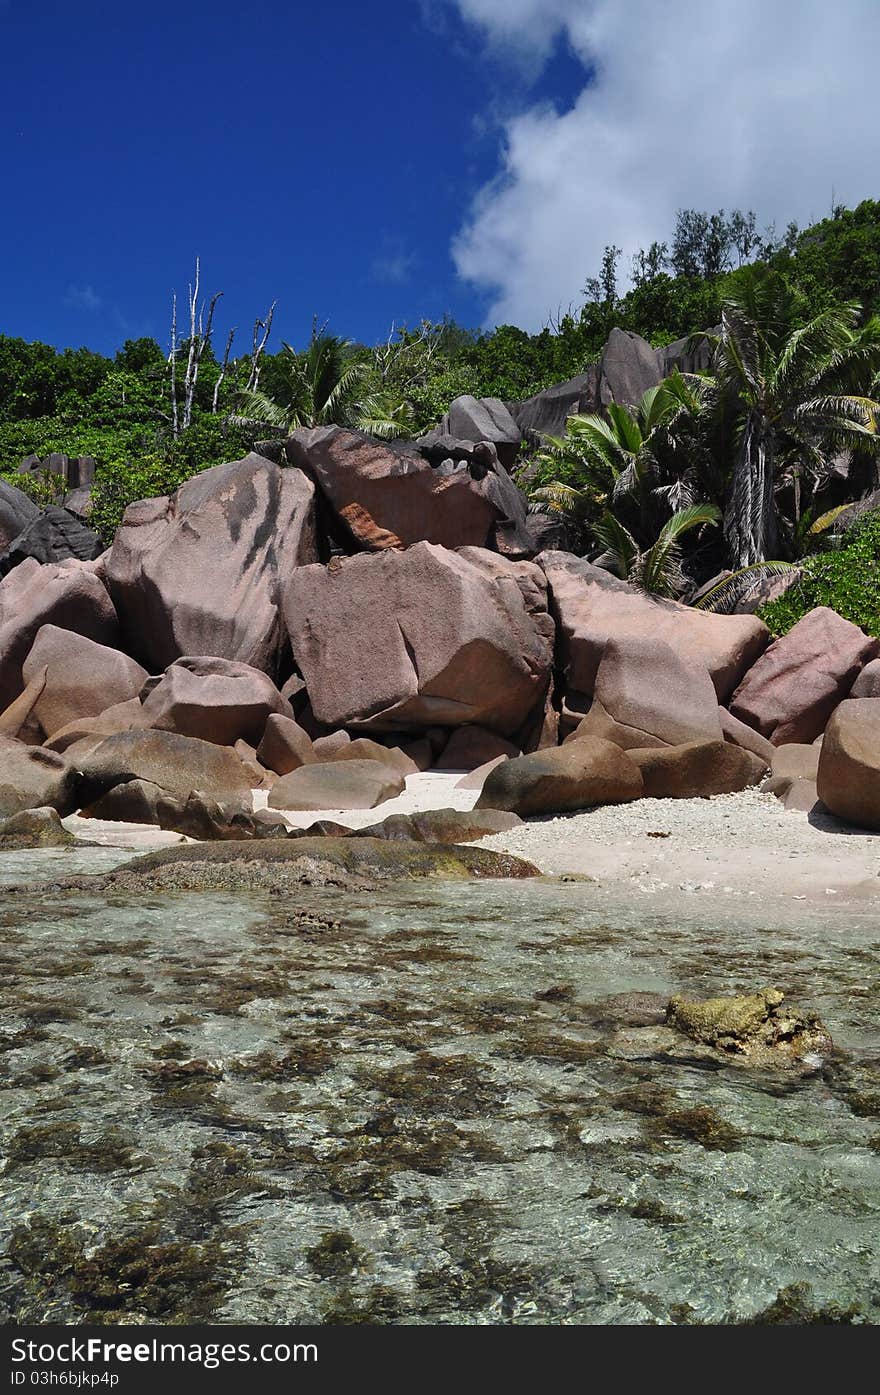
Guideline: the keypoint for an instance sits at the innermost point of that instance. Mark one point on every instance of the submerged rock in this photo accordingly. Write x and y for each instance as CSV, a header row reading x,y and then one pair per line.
x,y
755,1026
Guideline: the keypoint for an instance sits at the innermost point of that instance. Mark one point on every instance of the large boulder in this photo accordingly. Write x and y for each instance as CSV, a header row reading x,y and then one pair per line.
x,y
441,826
427,636
87,732
285,746
510,533
484,419
52,536
83,678
645,692
200,572
627,369
18,720
546,413
31,778
66,594
694,354
849,765
349,784
867,685
791,691
470,747
739,734
179,765
388,495
562,778
216,700
16,512
592,606
697,769
197,816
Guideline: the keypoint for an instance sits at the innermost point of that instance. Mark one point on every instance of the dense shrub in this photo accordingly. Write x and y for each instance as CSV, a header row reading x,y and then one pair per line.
x,y
846,579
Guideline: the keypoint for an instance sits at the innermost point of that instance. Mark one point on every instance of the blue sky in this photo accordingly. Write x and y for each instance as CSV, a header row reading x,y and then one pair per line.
x,y
320,155
380,162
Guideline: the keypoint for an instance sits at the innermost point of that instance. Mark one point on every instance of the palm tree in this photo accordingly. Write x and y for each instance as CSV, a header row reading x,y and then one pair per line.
x,y
655,569
642,461
326,387
797,392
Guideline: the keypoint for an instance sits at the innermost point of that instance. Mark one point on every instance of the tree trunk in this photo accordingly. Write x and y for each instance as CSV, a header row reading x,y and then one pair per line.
x,y
750,523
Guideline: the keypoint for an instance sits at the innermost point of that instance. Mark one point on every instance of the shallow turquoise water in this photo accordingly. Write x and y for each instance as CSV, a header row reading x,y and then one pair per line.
x,y
211,1108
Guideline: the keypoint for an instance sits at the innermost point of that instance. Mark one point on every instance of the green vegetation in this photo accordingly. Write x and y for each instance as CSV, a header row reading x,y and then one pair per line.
x,y
759,440
795,355
847,579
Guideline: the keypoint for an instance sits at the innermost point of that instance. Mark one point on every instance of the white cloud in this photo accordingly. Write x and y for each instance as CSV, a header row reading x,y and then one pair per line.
x,y
767,104
82,298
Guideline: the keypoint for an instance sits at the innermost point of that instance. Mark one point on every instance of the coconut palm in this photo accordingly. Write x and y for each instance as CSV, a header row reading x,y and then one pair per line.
x,y
798,394
324,386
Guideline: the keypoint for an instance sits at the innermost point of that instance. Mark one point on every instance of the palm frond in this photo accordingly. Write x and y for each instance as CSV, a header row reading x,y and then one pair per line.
x,y
660,569
723,597
621,549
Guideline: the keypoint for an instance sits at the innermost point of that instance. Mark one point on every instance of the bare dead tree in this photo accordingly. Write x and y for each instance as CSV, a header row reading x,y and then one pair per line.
x,y
259,346
222,374
200,331
172,359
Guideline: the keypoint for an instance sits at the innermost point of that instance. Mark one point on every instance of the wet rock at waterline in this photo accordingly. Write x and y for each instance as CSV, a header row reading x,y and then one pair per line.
x,y
755,1028
34,828
284,865
196,815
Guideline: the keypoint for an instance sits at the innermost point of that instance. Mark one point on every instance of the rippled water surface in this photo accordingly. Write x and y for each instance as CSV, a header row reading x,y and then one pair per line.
x,y
215,1108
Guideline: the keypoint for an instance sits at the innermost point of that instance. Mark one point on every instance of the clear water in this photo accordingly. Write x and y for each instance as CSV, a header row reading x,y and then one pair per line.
x,y
212,1110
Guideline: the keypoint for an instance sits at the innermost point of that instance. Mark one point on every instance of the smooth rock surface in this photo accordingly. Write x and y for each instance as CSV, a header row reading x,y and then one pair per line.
x,y
697,769
66,594
179,765
592,606
83,678
348,784
214,699
426,636
791,691
848,778
199,573
576,776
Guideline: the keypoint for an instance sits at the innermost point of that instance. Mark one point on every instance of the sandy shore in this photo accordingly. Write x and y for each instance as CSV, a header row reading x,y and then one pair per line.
x,y
733,845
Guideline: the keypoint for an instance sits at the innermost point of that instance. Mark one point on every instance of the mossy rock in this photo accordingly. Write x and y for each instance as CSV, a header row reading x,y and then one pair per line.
x,y
282,864
34,828
754,1025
